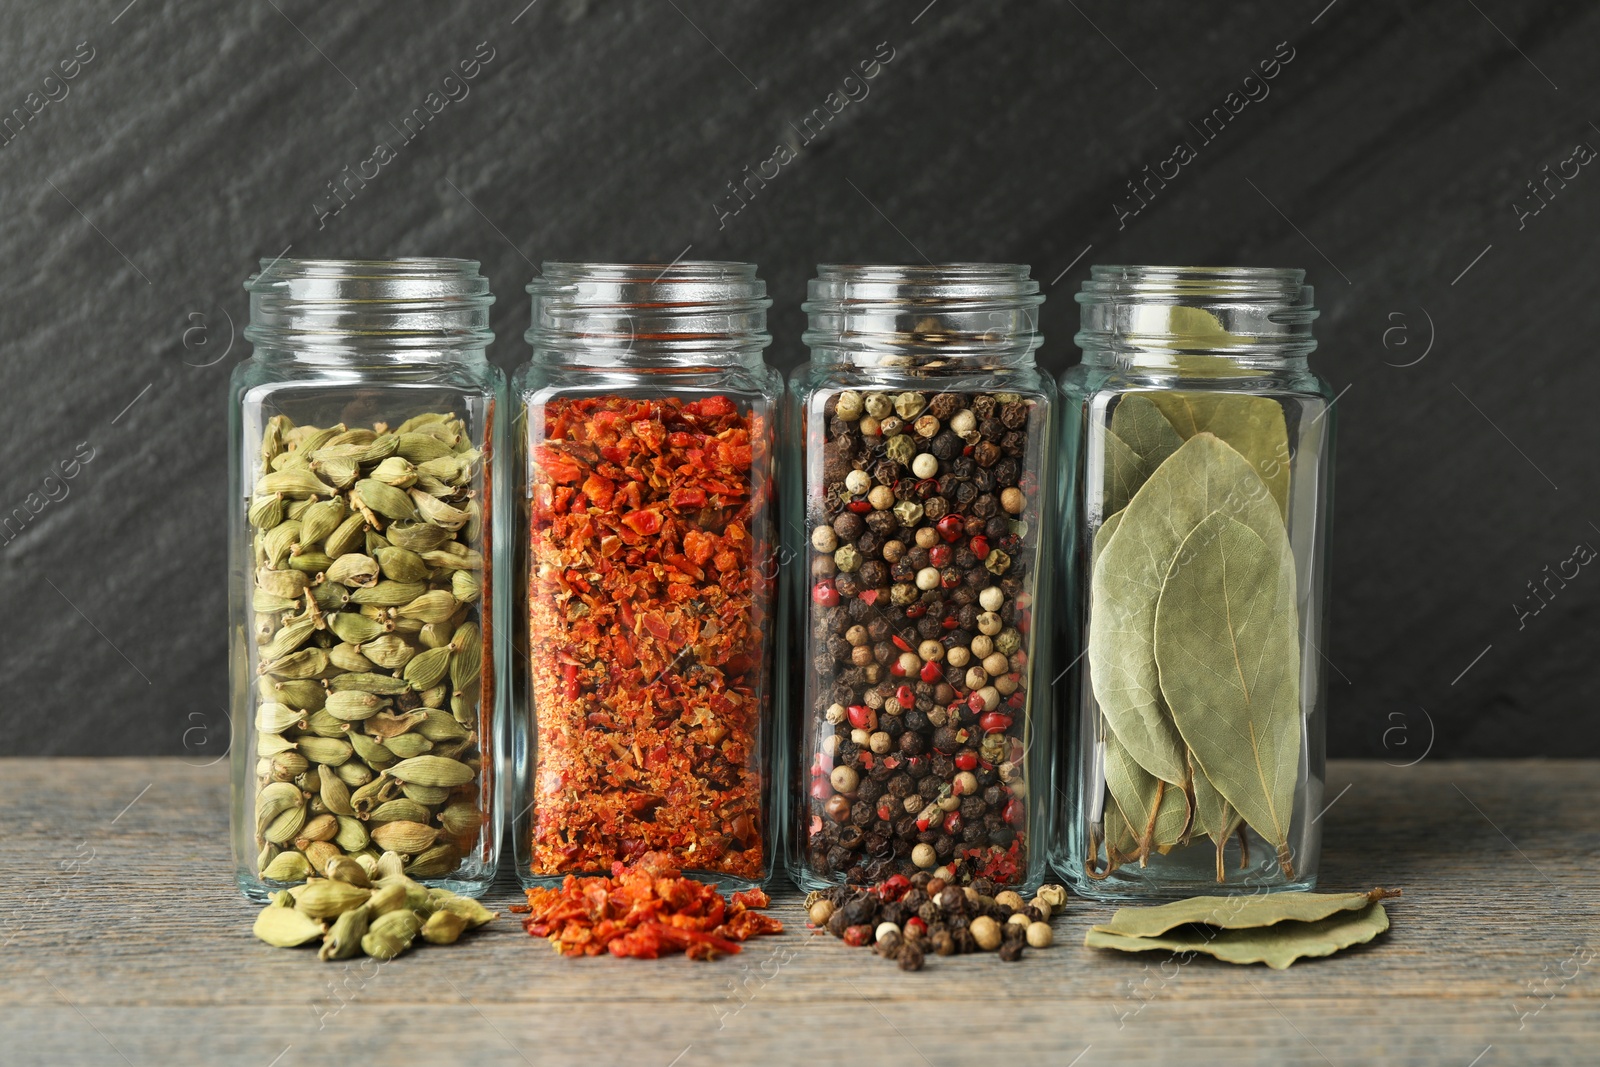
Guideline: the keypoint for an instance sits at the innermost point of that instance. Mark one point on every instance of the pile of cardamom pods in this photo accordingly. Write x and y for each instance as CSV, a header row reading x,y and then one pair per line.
x,y
366,905
370,642
1194,633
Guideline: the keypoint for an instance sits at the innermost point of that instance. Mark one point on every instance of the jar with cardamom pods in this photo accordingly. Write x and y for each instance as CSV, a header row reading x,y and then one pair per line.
x,y
363,652
918,504
1198,451
644,435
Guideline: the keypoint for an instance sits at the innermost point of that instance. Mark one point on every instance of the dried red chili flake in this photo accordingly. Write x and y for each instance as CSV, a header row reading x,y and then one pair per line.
x,y
649,594
646,910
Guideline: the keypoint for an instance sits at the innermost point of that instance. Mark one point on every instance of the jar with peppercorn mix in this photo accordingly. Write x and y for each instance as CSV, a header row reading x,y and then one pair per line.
x,y
645,433
363,659
1197,481
918,514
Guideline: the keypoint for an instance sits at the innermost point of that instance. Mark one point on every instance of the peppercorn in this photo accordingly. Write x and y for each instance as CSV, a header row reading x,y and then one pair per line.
x,y
986,932
911,956
1011,951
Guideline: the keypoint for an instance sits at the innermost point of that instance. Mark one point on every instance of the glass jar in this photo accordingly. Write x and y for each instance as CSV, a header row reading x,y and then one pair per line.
x,y
921,428
645,426
363,641
1198,455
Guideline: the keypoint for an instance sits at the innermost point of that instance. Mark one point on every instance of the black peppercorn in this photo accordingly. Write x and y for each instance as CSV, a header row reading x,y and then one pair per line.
x,y
911,743
910,956
1011,949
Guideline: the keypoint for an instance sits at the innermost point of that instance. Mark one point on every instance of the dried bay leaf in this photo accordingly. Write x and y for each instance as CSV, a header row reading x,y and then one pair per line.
x,y
1213,816
1252,425
1143,428
1125,473
1102,537
1238,912
1277,945
1228,651
1201,477
1156,812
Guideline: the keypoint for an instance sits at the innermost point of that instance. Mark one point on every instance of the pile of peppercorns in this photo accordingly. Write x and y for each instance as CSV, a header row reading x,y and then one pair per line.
x,y
906,918
920,610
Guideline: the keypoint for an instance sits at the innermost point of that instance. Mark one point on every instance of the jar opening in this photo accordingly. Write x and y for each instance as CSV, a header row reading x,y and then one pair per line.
x,y
923,315
611,314
1247,313
363,306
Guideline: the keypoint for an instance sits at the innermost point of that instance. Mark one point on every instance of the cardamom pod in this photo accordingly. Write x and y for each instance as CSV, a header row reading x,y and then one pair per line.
x,y
401,564
343,939
425,794
319,828
461,819
407,746
328,750
337,470
272,744
346,537
427,669
279,542
443,928
390,934
354,773
322,853
265,511
384,725
385,499
320,520
331,596
389,594
371,681
416,893
353,705
387,898
275,718
435,634
441,726
286,827
391,865
454,557
336,795
418,536
355,569
295,482
305,695
275,799
324,723
356,629
396,471
436,862
430,771
421,447
291,637
436,606
453,471
285,927
437,512
352,835
324,898
287,867
465,586
348,657
307,663
287,585
399,810
471,910
312,563
371,750
288,765
407,838
345,869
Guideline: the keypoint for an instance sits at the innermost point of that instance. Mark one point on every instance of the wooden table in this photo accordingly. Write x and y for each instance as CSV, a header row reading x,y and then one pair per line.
x,y
126,943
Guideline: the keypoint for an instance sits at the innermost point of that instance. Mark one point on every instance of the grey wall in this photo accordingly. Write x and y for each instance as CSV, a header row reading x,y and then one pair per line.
x,y
1386,159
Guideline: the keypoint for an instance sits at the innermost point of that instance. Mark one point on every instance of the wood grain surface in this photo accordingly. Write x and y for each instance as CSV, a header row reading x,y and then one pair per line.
x,y
125,942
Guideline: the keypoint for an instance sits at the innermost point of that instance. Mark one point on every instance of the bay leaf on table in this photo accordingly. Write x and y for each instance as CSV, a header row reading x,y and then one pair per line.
x,y
1227,645
1253,425
1238,912
1202,476
1277,946
1156,812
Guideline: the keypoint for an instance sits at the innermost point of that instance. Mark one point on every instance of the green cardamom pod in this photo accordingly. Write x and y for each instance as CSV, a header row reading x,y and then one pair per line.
x,y
353,705
294,509
287,585
328,750
389,594
348,657
437,512
465,586
396,471
322,853
354,628
443,928
434,698
436,606
343,939
385,499
272,744
407,838
324,723
441,726
435,634
391,865
278,542
275,718
298,483
417,899
418,536
387,898
426,670
288,867
287,826
307,663
454,557
352,835
286,640
371,750
338,471
306,695
369,681
320,520
454,471
331,596
355,569
400,810
386,939
354,773
390,651
275,799
265,512
286,927
421,447
336,795
425,794
402,564
461,819
346,537
321,827
272,437
466,660
345,869
311,562
263,602
289,765
430,771
324,898
407,746
436,862
471,910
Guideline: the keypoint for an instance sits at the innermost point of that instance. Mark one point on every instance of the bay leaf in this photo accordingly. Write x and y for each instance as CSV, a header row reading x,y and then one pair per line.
x,y
1143,428
1120,843
1125,472
1202,476
1102,537
1238,912
1277,946
1156,812
1227,645
1213,815
1252,425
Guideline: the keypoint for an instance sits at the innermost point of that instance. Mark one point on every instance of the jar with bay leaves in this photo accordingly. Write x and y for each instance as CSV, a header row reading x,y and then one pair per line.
x,y
917,517
1196,489
363,642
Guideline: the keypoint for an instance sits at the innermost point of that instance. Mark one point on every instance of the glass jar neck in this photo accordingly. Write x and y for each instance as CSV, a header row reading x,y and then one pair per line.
x,y
354,311
1204,322
951,317
638,316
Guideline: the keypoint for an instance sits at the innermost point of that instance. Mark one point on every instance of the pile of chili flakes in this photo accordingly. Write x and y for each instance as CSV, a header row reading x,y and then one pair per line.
x,y
645,910
649,595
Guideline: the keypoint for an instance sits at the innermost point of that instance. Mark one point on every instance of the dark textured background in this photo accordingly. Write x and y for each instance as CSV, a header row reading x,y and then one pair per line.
x,y
1386,160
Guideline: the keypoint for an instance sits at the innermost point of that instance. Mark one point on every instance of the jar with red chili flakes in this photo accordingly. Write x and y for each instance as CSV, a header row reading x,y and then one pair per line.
x,y
923,426
645,429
